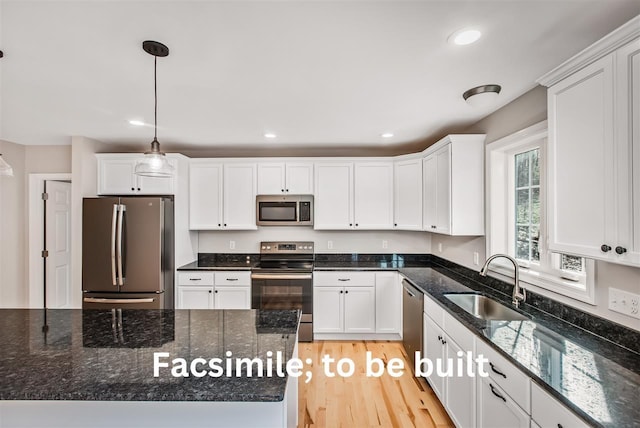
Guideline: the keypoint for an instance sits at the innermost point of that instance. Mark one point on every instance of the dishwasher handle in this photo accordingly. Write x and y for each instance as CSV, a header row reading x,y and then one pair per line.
x,y
411,290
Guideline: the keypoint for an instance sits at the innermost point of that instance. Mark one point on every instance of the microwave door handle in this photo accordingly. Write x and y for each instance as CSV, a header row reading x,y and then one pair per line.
x,y
121,209
114,217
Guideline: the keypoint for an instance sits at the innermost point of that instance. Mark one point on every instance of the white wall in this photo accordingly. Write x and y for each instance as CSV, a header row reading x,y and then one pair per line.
x,y
525,111
357,241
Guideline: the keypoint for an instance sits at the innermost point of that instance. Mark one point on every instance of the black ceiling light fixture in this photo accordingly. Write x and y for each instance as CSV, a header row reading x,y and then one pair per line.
x,y
155,163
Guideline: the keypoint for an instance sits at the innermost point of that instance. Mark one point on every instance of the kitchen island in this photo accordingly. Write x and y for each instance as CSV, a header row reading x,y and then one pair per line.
x,y
99,368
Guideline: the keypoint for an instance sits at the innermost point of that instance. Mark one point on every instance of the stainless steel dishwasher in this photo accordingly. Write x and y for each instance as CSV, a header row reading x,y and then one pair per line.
x,y
412,309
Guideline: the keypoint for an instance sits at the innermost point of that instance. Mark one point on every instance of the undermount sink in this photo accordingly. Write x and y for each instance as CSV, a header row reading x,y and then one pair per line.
x,y
484,307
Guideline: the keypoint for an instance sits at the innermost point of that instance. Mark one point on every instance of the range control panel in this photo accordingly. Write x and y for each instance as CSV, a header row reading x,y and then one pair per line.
x,y
276,247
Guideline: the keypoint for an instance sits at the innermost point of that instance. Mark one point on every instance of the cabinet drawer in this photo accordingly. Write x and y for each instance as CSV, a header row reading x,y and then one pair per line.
x,y
546,411
195,278
233,278
347,279
434,310
458,333
507,376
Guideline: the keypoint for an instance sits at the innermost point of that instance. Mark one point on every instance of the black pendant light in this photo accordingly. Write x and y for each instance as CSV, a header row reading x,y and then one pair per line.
x,y
155,163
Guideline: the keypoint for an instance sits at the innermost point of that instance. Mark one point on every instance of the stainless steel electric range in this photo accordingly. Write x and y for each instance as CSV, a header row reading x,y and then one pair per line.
x,y
283,279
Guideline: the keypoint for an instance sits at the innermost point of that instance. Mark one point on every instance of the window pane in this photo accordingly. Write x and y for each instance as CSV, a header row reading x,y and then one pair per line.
x,y
535,167
522,206
522,243
522,169
535,205
571,263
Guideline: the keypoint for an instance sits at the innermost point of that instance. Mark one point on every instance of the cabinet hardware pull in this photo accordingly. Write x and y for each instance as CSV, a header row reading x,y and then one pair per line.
x,y
496,371
444,342
232,279
216,291
282,190
195,279
350,224
621,250
356,224
340,291
344,279
497,394
560,426
395,224
439,337
346,292
209,291
605,248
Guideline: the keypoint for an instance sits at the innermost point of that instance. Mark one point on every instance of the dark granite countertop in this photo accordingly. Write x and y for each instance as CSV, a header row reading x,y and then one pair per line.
x,y
221,261
597,378
84,355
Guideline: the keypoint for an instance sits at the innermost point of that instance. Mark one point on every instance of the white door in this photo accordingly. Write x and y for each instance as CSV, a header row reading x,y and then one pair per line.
x,y
373,195
328,312
193,297
388,302
205,196
443,190
359,309
271,179
429,174
496,409
299,178
115,177
333,196
408,195
434,351
460,392
240,196
58,244
232,297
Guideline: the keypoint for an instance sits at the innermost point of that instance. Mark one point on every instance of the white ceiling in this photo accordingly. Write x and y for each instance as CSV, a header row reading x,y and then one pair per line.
x,y
318,74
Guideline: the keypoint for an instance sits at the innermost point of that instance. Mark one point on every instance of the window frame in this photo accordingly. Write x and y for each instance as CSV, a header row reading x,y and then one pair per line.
x,y
500,203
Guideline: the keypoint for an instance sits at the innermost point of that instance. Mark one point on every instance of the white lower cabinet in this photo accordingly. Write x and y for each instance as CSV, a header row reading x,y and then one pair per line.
x,y
388,303
496,409
344,309
546,411
328,310
209,290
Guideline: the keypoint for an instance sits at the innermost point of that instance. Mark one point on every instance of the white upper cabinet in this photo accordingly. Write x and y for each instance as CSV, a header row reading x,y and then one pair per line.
x,y
408,194
373,192
333,195
594,150
222,195
293,178
354,195
116,177
453,186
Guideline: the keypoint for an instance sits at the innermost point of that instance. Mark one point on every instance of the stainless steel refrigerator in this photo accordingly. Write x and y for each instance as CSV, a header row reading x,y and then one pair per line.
x,y
127,253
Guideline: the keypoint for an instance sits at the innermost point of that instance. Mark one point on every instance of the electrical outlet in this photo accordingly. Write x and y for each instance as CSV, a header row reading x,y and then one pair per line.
x,y
329,245
385,243
476,258
232,245
624,302
439,247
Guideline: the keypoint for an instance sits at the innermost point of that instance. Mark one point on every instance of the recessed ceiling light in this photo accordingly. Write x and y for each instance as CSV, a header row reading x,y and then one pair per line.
x,y
136,122
269,135
386,135
466,36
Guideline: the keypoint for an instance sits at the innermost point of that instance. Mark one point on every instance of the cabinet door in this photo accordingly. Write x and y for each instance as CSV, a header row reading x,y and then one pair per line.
x,y
155,185
240,196
271,179
581,194
333,196
359,309
205,196
299,178
434,351
408,195
628,152
429,177
460,391
232,297
388,302
115,177
443,190
373,195
496,409
195,297
328,309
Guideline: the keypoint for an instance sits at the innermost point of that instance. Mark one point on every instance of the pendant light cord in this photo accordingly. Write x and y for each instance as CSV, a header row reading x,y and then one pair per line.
x,y
155,97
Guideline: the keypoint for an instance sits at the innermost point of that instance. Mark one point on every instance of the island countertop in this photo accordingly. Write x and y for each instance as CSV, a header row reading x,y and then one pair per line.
x,y
109,355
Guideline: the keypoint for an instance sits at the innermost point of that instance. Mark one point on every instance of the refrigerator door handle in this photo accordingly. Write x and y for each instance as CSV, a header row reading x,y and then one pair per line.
x,y
119,301
121,209
114,217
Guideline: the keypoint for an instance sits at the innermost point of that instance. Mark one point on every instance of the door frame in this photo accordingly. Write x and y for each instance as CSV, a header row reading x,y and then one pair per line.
x,y
35,235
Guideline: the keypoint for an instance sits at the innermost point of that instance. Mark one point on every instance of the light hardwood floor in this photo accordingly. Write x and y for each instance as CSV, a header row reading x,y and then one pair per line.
x,y
361,401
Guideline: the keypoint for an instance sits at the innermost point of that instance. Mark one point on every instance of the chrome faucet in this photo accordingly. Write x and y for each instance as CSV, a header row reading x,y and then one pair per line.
x,y
519,294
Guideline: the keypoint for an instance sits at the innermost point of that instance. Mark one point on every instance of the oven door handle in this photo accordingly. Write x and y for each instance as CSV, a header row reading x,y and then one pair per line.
x,y
281,276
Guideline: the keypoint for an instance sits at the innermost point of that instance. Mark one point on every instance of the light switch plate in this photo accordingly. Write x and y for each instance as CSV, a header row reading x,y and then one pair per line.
x,y
624,302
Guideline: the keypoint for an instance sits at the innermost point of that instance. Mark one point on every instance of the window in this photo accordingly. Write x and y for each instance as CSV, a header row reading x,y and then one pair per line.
x,y
516,212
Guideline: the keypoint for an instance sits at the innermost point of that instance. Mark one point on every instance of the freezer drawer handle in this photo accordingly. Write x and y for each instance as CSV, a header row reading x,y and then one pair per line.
x,y
114,217
125,301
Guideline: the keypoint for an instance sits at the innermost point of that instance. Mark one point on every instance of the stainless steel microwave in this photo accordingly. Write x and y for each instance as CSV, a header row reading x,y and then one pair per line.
x,y
284,210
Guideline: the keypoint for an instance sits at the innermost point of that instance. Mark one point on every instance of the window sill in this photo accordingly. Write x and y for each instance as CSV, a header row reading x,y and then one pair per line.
x,y
552,283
